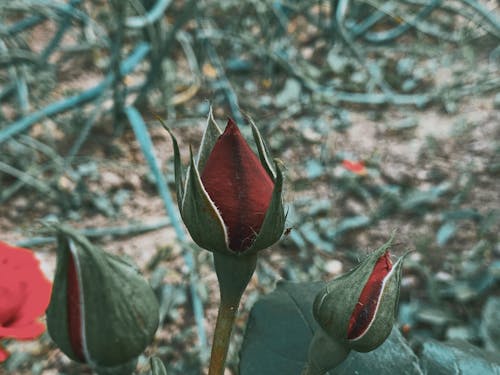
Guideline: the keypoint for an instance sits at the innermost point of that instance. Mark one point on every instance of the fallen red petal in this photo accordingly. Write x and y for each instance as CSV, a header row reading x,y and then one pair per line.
x,y
238,184
4,354
23,332
365,309
357,167
24,291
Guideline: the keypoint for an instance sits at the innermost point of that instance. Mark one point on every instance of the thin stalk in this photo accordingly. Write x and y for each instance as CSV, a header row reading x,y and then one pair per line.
x,y
234,273
222,336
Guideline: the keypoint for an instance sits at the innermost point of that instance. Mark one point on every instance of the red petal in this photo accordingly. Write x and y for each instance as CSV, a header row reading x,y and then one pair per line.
x,y
74,313
23,332
238,184
4,354
357,167
365,309
24,284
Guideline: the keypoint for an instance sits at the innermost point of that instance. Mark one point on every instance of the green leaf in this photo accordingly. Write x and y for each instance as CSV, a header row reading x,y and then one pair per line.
x,y
351,223
279,330
281,326
445,232
458,357
416,199
490,329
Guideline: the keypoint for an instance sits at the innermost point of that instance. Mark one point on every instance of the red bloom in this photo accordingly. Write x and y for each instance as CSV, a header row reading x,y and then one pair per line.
x,y
238,184
24,295
368,302
357,167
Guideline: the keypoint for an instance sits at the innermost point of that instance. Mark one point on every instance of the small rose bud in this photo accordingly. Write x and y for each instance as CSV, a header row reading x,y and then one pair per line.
x,y
358,308
102,311
231,201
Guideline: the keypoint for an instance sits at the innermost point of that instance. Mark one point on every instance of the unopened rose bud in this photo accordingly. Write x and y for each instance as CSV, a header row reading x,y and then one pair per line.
x,y
358,308
231,201
102,311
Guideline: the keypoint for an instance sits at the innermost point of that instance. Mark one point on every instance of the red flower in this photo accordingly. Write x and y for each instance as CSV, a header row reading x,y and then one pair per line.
x,y
238,184
367,305
357,167
24,295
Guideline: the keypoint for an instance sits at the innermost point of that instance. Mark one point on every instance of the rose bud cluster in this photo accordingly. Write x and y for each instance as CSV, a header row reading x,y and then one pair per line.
x,y
24,295
102,311
231,199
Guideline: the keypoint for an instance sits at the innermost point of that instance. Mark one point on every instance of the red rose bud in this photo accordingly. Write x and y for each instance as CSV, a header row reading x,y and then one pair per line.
x,y
102,312
369,299
238,184
358,308
24,295
234,205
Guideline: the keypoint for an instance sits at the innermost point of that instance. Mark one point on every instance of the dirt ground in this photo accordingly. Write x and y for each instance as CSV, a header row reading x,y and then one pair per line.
x,y
413,150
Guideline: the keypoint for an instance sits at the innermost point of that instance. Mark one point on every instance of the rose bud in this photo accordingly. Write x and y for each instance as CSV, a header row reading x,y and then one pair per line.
x,y
24,295
357,309
231,200
102,311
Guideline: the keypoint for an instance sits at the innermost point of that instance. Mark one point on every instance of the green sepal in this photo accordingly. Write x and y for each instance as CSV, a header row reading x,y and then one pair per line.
x,y
263,151
157,366
324,354
118,307
274,222
335,303
210,136
57,311
201,216
179,178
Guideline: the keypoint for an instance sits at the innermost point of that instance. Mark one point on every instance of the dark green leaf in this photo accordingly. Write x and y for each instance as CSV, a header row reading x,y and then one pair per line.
x,y
458,357
281,325
445,232
490,329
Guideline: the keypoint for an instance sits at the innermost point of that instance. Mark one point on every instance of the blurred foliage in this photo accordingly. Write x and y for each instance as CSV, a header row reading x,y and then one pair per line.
x,y
73,74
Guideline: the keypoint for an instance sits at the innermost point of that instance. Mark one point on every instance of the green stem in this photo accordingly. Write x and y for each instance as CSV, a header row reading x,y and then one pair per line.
x,y
233,273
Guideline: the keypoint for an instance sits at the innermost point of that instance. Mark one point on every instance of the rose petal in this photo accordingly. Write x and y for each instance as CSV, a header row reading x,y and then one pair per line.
x,y
24,332
357,167
21,272
238,184
37,299
12,297
366,307
4,354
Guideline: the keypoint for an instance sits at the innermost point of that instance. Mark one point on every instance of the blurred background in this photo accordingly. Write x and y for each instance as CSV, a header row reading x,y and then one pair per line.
x,y
386,115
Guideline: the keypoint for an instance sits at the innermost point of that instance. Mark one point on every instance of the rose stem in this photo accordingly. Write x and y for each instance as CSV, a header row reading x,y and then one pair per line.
x,y
234,273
